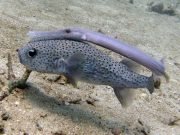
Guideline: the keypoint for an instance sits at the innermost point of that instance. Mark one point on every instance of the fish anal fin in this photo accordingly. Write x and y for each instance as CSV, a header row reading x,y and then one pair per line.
x,y
71,80
124,95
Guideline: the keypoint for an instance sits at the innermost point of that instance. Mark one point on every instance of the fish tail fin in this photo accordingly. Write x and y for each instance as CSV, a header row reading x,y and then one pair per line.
x,y
154,81
150,84
124,95
165,74
166,77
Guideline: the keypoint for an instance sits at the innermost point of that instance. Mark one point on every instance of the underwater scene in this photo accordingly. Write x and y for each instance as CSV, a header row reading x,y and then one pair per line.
x,y
90,67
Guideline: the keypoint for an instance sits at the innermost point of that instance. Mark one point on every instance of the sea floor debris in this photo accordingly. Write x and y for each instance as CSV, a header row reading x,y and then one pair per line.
x,y
14,82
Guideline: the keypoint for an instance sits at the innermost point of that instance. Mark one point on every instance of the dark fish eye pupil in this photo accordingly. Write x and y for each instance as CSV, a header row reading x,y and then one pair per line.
x,y
32,52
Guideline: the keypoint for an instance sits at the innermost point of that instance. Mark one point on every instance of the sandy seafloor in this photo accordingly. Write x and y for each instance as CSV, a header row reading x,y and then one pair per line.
x,y
44,108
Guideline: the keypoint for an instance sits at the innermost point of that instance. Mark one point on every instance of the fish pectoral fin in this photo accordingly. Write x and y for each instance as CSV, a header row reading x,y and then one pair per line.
x,y
73,64
71,80
61,65
75,61
124,95
69,67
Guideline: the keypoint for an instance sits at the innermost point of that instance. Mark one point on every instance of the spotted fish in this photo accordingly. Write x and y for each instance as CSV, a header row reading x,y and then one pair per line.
x,y
80,61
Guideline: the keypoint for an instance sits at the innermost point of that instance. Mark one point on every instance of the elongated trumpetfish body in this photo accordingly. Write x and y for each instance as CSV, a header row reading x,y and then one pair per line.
x,y
105,41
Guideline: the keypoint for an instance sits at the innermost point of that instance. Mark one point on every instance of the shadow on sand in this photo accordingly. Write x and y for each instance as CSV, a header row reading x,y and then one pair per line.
x,y
75,112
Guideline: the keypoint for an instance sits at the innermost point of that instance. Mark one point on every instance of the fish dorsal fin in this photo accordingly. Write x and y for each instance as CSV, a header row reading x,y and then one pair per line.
x,y
130,64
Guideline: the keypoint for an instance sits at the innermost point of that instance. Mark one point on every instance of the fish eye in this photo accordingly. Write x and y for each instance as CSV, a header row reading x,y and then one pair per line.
x,y
32,52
